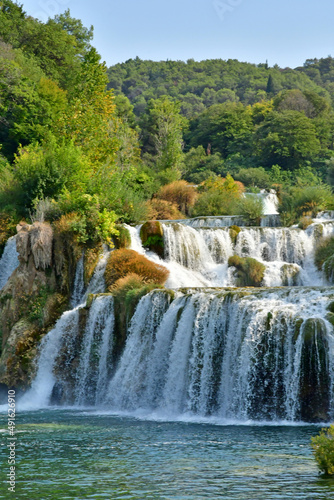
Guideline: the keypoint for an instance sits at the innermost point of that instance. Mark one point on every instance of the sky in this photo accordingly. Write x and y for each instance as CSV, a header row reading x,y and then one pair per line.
x,y
285,32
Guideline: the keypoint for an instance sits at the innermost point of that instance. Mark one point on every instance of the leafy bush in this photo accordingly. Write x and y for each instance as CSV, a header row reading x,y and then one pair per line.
x,y
82,217
252,177
304,202
151,234
251,209
305,222
161,210
323,449
45,170
249,271
182,194
214,202
123,262
324,256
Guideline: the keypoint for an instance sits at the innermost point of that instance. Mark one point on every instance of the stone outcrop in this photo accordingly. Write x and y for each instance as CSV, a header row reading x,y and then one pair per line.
x,y
33,298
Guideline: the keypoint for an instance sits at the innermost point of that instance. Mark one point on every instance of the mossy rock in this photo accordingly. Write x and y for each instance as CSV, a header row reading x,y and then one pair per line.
x,y
249,271
151,234
123,239
91,259
234,231
328,268
290,274
330,307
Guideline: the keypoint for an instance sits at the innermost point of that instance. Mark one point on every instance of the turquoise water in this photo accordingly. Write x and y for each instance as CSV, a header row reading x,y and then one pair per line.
x,y
70,454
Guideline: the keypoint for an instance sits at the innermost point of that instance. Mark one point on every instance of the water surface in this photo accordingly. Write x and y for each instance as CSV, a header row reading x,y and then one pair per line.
x,y
72,454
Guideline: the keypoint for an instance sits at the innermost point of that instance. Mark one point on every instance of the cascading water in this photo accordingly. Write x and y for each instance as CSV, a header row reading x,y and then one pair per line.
x,y
234,356
225,353
61,342
9,261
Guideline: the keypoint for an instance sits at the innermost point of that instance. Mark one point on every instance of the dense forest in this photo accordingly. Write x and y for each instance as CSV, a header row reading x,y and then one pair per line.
x,y
87,147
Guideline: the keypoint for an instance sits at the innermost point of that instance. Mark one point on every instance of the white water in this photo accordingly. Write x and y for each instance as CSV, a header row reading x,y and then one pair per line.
x,y
235,356
63,335
79,284
96,284
198,257
9,261
203,355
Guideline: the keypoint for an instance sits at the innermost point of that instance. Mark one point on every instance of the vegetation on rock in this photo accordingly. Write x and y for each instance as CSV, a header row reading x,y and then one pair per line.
x,y
123,262
249,271
151,234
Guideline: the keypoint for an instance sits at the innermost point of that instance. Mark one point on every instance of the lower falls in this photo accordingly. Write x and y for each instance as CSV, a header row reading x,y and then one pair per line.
x,y
203,347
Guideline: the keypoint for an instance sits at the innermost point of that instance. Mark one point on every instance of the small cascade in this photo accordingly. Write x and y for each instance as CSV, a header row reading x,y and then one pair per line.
x,y
96,284
287,253
79,284
9,261
96,346
66,328
264,355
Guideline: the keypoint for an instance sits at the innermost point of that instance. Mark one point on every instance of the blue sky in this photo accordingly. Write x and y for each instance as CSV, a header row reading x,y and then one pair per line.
x,y
285,32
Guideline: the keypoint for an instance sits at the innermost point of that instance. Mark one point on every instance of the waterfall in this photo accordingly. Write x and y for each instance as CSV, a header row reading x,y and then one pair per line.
x,y
92,372
96,284
9,261
234,356
203,348
79,284
287,253
60,345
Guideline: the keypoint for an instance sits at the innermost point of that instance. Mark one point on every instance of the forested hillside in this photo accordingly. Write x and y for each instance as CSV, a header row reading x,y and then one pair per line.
x,y
86,157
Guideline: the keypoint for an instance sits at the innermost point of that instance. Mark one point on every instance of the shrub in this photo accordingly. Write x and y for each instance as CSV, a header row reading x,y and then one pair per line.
x,y
87,221
323,449
305,222
251,209
161,210
254,177
324,251
123,261
249,271
215,202
182,194
45,170
304,202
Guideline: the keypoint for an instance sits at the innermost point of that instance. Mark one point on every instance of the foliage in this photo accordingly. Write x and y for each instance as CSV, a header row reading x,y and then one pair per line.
x,y
123,261
305,222
324,251
180,193
323,449
251,209
45,170
164,126
85,219
163,210
201,84
151,234
215,202
249,271
304,201
254,177
219,196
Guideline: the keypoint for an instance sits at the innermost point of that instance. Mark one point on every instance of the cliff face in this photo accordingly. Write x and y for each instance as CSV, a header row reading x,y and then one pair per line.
x,y
33,298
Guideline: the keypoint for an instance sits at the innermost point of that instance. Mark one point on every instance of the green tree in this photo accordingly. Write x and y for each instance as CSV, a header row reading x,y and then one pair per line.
x,y
288,139
165,125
